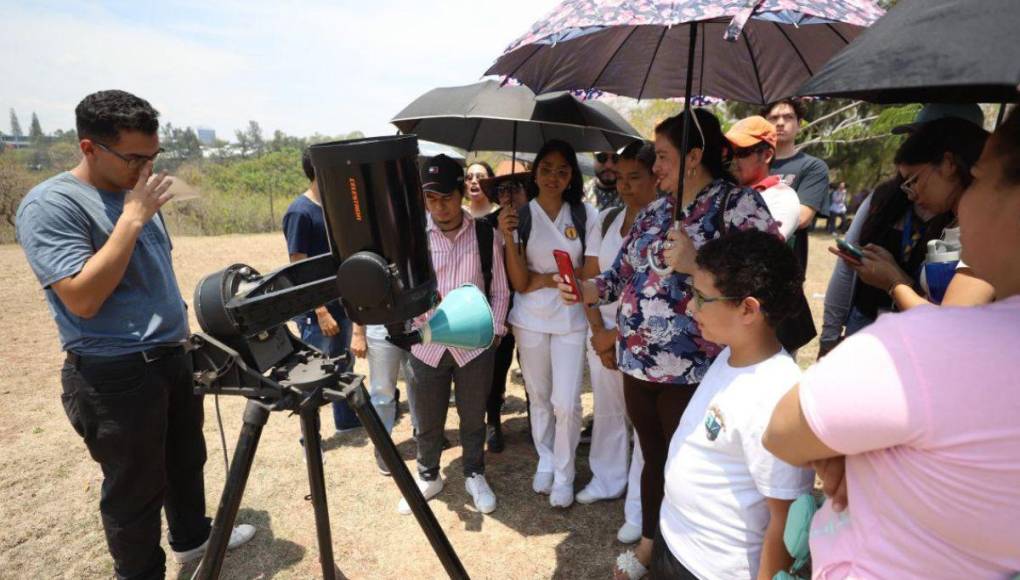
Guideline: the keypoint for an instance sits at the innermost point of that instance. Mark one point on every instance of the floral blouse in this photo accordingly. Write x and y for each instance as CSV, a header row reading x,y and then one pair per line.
x,y
658,341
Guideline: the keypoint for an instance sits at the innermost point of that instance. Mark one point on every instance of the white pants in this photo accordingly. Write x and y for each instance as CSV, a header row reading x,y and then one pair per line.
x,y
384,362
610,439
555,394
632,505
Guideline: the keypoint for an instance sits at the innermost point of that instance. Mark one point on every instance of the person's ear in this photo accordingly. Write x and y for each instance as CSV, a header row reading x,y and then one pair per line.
x,y
694,157
87,147
750,309
768,156
948,167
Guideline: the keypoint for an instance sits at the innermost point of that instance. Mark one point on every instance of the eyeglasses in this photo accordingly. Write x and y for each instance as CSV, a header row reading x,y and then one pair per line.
x,y
475,176
909,185
133,161
602,157
700,300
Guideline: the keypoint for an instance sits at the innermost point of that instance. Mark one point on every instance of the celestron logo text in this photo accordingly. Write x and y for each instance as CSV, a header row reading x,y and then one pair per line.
x,y
353,184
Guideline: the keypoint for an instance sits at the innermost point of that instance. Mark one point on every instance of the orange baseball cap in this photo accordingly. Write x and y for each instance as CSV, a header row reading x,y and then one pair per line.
x,y
751,131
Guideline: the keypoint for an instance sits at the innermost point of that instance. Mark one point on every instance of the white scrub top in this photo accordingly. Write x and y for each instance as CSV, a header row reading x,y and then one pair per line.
x,y
543,310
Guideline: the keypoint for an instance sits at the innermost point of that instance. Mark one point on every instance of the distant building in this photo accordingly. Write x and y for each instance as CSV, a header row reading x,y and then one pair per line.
x,y
12,142
206,136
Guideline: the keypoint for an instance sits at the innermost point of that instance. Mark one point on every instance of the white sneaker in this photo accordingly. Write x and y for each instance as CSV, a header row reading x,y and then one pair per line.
x,y
629,533
562,496
543,482
588,495
238,536
429,489
481,493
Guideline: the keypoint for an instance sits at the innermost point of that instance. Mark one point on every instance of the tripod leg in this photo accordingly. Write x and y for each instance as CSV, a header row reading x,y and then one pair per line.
x,y
255,417
317,485
359,400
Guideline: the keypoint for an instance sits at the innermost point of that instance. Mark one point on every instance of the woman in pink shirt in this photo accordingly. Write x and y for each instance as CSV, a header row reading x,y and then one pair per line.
x,y
923,406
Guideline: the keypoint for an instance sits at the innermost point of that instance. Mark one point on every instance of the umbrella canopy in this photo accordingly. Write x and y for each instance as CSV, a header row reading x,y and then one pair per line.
x,y
487,117
755,51
930,51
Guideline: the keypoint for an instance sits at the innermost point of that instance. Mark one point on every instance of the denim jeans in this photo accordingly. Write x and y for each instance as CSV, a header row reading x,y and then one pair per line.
x,y
142,423
343,416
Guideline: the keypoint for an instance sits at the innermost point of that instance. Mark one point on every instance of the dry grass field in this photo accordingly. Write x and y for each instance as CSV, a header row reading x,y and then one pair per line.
x,y
49,487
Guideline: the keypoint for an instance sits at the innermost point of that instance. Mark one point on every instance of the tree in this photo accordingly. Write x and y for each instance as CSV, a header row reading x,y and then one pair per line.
x,y
257,143
15,124
15,181
35,132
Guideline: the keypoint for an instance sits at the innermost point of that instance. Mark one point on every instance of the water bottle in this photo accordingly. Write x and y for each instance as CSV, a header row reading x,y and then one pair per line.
x,y
940,263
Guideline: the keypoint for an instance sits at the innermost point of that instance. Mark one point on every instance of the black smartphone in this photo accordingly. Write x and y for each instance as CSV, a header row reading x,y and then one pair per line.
x,y
849,249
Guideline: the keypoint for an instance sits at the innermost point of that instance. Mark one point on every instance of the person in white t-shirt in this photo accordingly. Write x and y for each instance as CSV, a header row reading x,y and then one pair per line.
x,y
550,334
726,497
754,148
610,451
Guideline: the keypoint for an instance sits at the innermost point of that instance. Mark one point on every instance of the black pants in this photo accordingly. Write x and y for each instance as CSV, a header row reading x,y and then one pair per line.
x,y
500,368
665,566
655,410
143,424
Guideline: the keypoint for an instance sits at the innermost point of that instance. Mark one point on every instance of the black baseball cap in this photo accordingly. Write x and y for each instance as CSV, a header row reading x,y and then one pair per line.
x,y
441,174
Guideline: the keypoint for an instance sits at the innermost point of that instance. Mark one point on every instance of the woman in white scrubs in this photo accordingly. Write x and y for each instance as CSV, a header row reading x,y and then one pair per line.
x,y
610,444
550,334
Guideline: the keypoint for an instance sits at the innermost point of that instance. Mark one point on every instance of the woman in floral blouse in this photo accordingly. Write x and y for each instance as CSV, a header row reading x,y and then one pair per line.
x,y
660,349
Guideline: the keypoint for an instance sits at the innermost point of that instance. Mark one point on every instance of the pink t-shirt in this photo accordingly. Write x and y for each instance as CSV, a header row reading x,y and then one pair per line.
x,y
926,406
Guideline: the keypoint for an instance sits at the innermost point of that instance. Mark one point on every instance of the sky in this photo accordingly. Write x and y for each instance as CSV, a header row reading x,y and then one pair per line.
x,y
304,67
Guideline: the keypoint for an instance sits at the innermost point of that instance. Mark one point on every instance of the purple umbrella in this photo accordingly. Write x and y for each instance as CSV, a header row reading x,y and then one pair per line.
x,y
755,51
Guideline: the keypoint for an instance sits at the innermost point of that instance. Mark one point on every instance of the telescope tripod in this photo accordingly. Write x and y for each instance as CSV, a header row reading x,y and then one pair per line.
x,y
304,382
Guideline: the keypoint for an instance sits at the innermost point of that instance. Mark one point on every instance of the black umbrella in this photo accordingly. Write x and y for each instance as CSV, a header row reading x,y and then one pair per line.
x,y
487,117
930,51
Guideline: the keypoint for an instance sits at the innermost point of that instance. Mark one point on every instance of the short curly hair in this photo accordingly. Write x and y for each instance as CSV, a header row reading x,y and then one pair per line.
x,y
105,114
755,264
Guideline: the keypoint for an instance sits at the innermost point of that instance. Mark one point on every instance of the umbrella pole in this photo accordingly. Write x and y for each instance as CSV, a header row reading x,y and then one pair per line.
x,y
677,207
513,169
1002,115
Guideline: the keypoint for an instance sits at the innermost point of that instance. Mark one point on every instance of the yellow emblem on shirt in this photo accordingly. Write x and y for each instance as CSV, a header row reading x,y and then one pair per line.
x,y
570,232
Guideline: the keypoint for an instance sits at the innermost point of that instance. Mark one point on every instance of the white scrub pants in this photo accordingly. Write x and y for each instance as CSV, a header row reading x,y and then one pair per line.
x,y
610,440
553,366
632,505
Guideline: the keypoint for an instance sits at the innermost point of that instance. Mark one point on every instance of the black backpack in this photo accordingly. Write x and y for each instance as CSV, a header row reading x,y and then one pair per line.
x,y
608,220
578,214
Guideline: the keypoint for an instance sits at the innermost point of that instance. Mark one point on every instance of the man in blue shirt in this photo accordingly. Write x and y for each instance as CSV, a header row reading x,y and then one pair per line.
x,y
94,239
327,328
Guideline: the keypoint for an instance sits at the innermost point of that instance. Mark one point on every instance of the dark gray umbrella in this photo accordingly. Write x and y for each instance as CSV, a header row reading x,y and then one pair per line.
x,y
930,51
487,117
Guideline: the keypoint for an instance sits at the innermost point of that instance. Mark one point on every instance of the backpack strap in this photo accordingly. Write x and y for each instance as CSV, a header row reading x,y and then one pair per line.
x,y
524,224
609,218
484,234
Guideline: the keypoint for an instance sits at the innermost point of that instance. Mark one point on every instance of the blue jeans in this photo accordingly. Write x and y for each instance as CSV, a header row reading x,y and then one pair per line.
x,y
343,416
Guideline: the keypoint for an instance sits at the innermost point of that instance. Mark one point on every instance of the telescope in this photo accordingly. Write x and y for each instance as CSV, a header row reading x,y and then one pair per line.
x,y
379,267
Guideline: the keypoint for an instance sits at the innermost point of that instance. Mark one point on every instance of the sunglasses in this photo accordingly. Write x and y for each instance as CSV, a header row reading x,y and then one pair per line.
x,y
133,161
602,157
700,300
744,153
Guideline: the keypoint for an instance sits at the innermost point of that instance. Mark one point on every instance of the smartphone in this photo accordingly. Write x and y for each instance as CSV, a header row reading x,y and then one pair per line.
x,y
849,249
566,268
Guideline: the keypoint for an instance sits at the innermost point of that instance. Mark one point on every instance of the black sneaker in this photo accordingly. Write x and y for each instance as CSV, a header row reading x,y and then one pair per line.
x,y
496,443
586,433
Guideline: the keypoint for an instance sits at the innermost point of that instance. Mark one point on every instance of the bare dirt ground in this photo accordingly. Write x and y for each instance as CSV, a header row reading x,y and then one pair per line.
x,y
49,487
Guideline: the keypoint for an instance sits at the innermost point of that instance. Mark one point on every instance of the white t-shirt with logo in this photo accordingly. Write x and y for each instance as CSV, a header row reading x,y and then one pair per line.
x,y
718,474
543,310
609,249
784,205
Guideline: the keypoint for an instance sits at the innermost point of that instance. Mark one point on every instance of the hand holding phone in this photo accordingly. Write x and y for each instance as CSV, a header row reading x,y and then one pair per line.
x,y
566,269
849,249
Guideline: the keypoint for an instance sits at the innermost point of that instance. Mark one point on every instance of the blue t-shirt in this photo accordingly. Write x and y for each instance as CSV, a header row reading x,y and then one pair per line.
x,y
60,224
304,226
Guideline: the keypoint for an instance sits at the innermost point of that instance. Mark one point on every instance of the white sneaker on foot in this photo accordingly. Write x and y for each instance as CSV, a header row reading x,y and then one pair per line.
x,y
589,495
481,493
543,482
238,536
629,533
562,496
429,489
